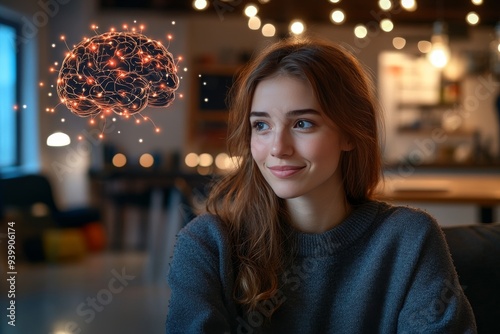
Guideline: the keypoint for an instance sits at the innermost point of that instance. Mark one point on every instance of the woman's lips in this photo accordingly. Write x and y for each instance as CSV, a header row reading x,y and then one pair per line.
x,y
285,171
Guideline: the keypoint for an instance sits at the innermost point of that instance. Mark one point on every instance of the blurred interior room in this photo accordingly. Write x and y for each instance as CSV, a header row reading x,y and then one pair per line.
x,y
94,203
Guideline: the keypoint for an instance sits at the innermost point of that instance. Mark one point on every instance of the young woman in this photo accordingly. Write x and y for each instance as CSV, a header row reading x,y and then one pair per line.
x,y
293,241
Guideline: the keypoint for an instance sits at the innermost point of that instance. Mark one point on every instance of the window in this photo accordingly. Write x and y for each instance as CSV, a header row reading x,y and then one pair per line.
x,y
9,92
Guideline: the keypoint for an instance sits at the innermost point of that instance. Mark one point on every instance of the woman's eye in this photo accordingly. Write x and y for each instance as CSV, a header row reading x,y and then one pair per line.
x,y
302,124
260,126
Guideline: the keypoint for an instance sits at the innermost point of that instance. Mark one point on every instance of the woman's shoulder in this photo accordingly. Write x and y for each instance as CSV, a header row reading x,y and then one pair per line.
x,y
205,229
407,218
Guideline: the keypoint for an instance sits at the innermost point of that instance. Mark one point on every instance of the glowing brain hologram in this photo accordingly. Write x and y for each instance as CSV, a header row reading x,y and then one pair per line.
x,y
117,72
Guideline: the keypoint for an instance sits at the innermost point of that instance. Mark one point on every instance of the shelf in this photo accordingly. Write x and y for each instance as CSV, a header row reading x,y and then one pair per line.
x,y
429,132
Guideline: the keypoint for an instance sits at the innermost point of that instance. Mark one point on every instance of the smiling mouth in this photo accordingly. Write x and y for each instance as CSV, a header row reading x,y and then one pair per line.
x,y
285,171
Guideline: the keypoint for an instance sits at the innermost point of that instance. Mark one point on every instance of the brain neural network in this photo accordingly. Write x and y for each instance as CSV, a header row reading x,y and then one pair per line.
x,y
119,72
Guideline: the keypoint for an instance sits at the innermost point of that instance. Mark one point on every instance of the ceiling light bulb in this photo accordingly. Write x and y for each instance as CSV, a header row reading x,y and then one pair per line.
x,y
472,18
386,25
58,139
251,10
337,16
297,27
360,31
385,4
200,4
409,5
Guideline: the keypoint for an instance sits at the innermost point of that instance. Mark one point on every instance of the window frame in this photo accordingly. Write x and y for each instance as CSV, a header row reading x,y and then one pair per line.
x,y
18,140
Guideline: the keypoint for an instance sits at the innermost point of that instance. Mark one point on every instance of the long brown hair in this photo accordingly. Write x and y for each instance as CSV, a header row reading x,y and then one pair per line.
x,y
244,201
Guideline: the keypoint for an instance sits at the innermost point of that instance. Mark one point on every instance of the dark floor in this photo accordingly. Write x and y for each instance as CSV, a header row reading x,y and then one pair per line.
x,y
103,293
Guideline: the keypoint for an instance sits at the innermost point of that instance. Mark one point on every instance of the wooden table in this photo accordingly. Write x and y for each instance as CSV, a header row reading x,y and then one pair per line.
x,y
481,190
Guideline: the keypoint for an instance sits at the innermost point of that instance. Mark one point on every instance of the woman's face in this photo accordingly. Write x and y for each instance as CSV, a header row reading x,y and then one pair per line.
x,y
295,148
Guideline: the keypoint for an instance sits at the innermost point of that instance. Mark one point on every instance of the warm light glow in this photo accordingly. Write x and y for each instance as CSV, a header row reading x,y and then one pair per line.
x,y
472,18
440,53
477,2
268,30
146,160
119,160
424,46
254,23
409,5
337,16
206,160
223,161
360,31
398,42
251,10
334,1
385,4
192,160
386,25
297,27
200,4
58,139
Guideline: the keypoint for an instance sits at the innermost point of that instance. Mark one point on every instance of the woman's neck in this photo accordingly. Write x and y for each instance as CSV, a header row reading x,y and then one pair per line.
x,y
317,214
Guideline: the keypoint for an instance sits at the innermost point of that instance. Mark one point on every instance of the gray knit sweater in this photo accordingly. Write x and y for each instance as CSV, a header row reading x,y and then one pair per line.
x,y
385,269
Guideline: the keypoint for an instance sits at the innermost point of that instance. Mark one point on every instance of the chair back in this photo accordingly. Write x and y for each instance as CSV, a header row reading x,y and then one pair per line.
x,y
24,191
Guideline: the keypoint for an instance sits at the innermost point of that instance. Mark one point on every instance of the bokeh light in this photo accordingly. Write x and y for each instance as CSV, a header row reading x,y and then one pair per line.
x,y
297,27
251,10
385,4
360,31
386,25
254,23
398,42
200,4
146,160
119,160
424,46
409,5
472,18
206,160
337,16
192,159
268,30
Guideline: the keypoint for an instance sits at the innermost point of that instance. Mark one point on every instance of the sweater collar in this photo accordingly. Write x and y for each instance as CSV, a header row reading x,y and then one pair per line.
x,y
338,238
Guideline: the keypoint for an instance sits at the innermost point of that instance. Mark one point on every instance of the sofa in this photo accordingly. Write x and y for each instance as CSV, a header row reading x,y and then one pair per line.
x,y
475,250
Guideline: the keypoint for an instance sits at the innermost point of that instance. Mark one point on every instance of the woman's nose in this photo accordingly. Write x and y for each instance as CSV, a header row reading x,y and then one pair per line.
x,y
282,145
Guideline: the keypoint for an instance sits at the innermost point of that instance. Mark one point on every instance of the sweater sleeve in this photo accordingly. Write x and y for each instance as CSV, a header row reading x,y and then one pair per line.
x,y
197,295
435,301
